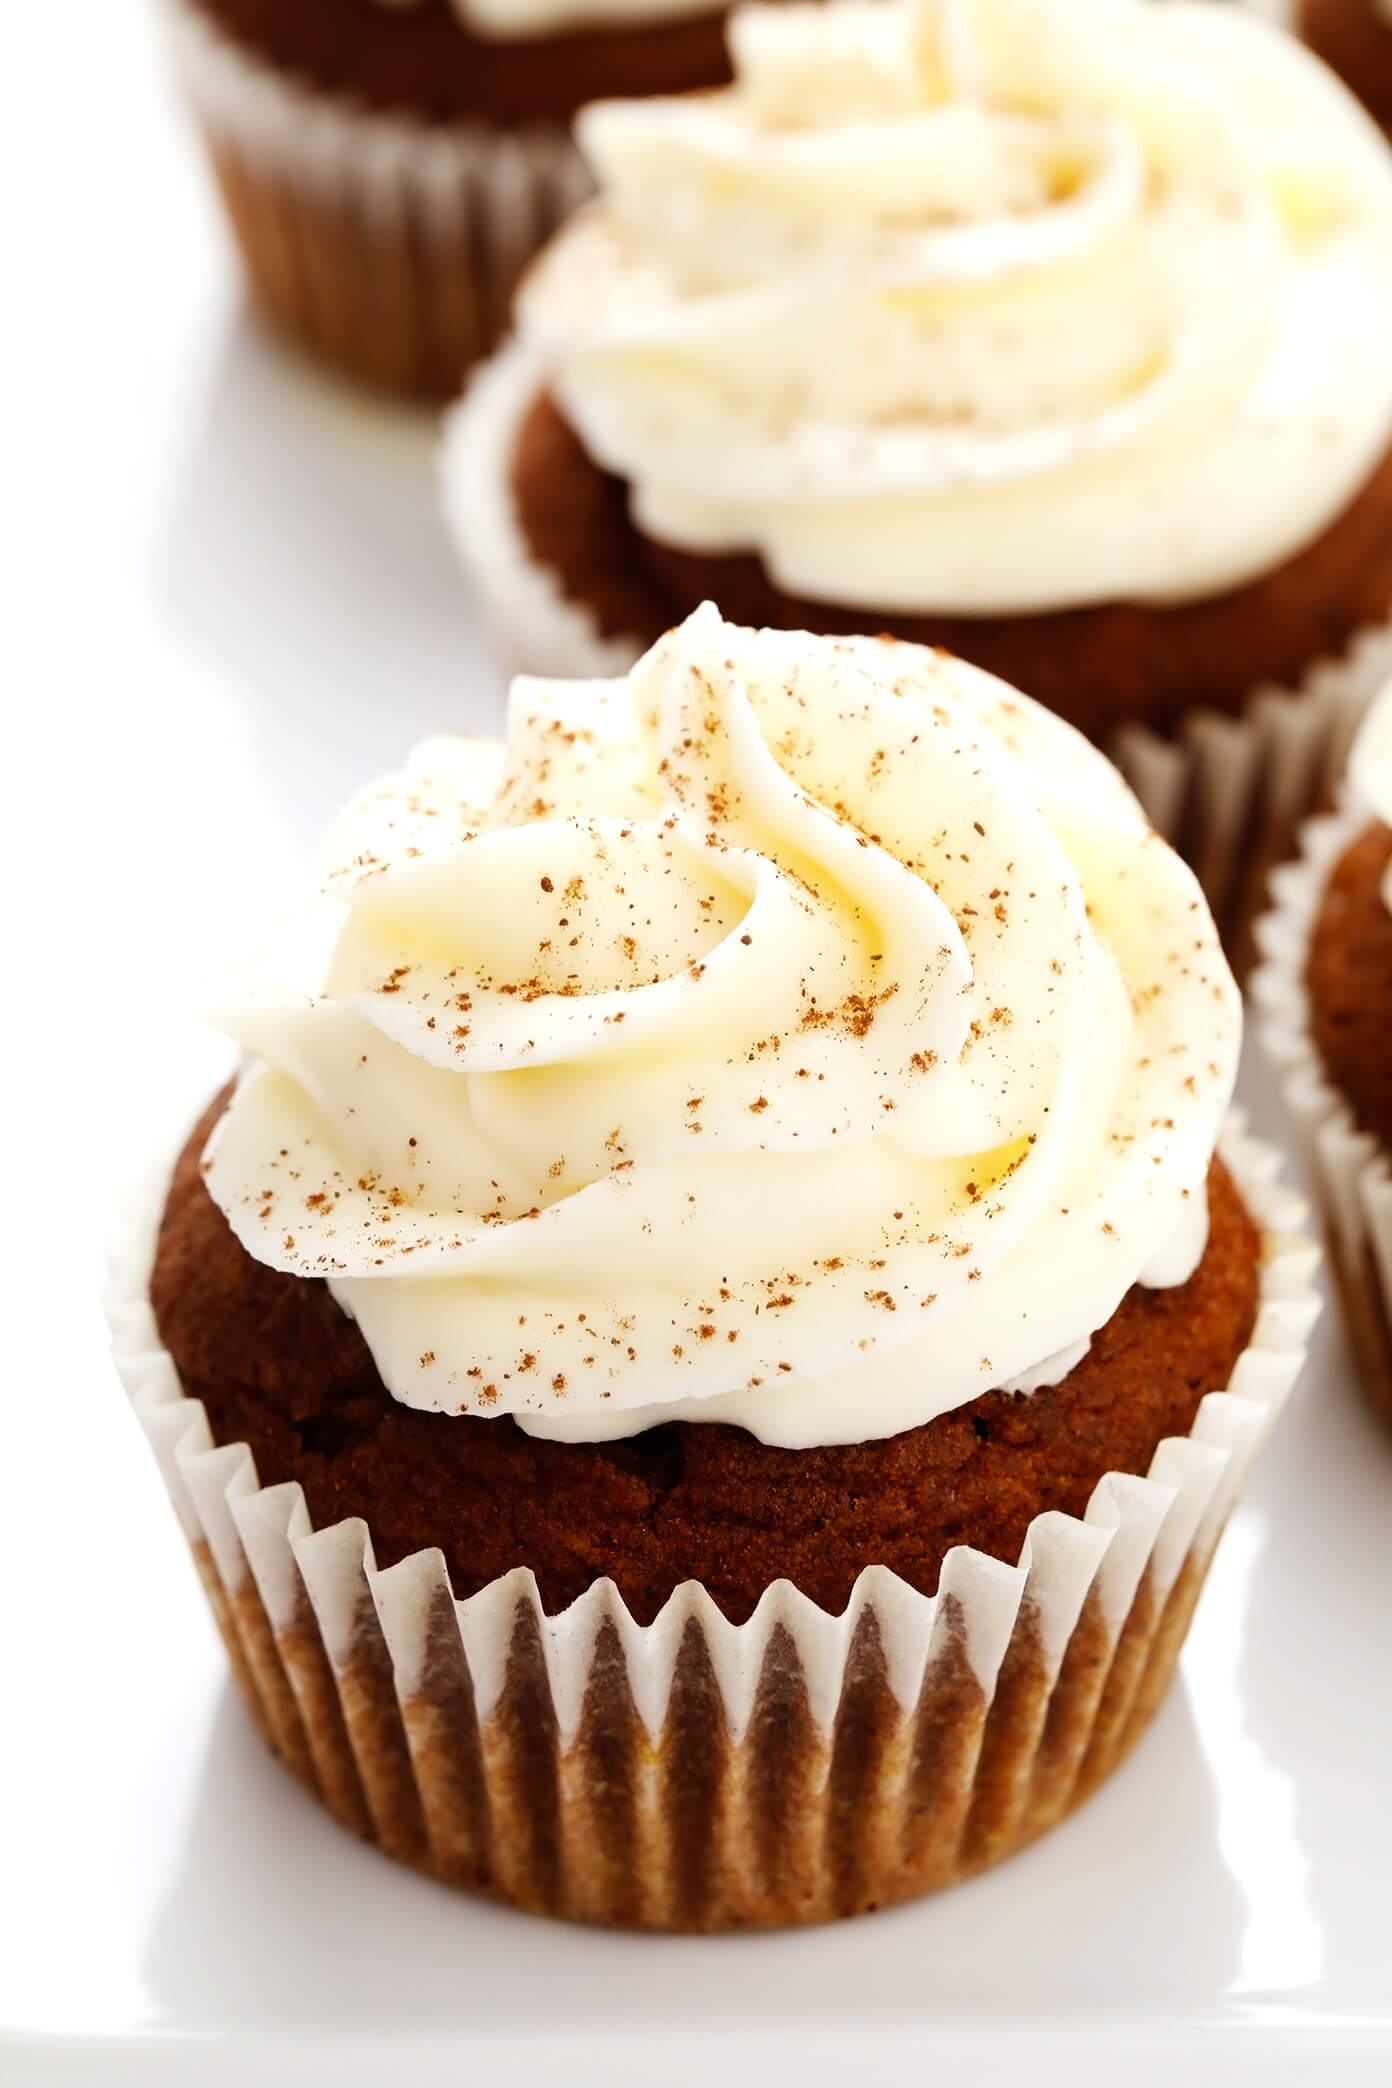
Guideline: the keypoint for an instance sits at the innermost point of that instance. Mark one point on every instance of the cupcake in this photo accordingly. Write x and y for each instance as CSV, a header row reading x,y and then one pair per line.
x,y
389,166
1355,37
705,1359
1325,992
1052,336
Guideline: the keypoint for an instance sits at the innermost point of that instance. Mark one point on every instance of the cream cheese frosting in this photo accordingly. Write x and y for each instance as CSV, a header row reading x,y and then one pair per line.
x,y
804,1034
984,306
521,18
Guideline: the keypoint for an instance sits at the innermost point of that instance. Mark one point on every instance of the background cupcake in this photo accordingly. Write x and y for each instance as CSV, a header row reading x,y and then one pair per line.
x,y
390,165
1325,991
718,1183
1052,336
1355,37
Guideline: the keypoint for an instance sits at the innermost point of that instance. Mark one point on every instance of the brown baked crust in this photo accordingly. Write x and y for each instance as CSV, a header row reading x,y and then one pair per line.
x,y
1348,975
425,60
1096,667
277,1365
1352,38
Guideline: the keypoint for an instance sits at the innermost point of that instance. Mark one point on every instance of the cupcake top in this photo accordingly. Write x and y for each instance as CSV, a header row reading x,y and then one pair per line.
x,y
519,18
798,1033
984,306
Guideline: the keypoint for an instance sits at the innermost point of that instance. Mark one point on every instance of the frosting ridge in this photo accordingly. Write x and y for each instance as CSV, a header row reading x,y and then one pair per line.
x,y
984,305
805,1034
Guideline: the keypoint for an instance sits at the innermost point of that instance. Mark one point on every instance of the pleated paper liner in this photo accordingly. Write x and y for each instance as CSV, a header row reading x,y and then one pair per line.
x,y
388,247
691,1773
1228,792
1346,1168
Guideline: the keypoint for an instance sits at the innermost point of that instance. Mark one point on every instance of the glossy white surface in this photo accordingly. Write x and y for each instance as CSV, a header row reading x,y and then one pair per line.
x,y
229,601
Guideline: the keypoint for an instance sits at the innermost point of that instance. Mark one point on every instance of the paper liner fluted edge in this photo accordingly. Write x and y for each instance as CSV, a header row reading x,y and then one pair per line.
x,y
1347,1169
1228,792
692,1773
387,245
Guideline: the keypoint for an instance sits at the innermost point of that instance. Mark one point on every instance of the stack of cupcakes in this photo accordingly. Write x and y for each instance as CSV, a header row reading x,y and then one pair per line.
x,y
706,1358
1052,336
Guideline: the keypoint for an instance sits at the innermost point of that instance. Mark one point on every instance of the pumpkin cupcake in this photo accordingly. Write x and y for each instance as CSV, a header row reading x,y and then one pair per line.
x,y
389,166
1325,992
1051,336
707,1355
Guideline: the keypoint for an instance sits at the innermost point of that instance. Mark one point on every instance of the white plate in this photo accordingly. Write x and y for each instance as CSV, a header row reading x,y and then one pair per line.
x,y
230,602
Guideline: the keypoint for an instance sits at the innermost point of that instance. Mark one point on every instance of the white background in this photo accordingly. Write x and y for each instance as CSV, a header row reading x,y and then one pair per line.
x,y
227,601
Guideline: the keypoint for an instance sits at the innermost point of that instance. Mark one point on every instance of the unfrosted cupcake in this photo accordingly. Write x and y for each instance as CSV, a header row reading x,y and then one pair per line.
x,y
1325,990
1054,336
706,1358
389,166
1355,38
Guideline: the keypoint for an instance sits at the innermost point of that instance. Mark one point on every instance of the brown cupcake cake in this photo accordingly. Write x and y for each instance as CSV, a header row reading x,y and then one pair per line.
x,y
1048,337
705,1359
389,166
277,1365
1354,37
1325,990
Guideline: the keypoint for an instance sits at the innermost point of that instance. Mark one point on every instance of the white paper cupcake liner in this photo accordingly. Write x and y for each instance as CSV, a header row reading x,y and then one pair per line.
x,y
1346,1168
691,1773
1228,792
389,246
539,628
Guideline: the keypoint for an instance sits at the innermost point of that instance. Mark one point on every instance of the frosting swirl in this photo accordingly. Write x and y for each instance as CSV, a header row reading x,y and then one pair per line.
x,y
984,306
805,1034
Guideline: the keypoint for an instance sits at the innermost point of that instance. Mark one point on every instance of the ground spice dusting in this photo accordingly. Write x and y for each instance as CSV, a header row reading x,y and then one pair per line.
x,y
854,1013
